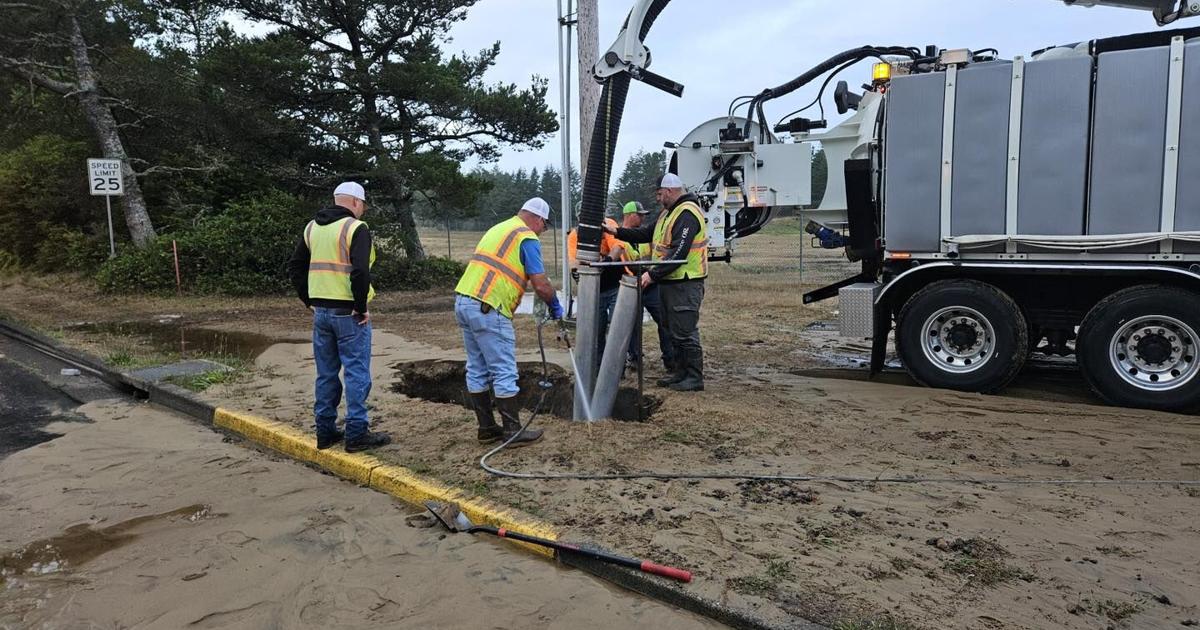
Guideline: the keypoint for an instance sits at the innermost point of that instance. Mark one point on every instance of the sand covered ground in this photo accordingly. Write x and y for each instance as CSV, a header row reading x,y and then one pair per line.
x,y
136,517
784,396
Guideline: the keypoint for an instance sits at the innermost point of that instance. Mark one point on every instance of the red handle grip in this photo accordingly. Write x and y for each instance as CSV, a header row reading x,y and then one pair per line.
x,y
667,572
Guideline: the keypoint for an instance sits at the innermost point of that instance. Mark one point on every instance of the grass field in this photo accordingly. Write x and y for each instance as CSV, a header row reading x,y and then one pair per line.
x,y
755,298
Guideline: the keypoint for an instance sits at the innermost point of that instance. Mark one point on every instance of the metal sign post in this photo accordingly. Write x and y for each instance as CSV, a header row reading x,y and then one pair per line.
x,y
105,178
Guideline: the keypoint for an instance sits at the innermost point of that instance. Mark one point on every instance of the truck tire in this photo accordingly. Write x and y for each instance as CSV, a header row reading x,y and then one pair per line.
x,y
1140,347
962,334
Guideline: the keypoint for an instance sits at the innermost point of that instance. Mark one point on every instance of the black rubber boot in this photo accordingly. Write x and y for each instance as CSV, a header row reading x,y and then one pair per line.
x,y
367,440
675,374
510,414
489,431
693,372
325,441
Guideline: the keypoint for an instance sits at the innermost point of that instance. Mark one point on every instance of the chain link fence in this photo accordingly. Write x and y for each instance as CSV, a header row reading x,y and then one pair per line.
x,y
780,257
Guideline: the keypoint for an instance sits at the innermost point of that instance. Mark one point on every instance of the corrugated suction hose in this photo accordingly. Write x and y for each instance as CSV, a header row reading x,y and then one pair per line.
x,y
604,142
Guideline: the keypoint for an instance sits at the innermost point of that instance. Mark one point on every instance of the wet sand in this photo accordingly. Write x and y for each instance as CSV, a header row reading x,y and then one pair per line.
x,y
1012,556
780,399
144,519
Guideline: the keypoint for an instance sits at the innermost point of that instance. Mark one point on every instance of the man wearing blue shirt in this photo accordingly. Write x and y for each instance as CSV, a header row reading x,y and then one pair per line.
x,y
507,259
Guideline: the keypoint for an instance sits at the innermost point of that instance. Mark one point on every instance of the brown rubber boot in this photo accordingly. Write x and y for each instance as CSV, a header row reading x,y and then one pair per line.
x,y
510,414
489,431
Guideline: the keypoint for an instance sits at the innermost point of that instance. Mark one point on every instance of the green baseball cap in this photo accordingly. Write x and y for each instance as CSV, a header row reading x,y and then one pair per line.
x,y
634,207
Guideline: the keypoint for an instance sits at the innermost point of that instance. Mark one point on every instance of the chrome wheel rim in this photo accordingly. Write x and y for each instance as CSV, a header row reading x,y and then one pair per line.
x,y
1155,353
958,339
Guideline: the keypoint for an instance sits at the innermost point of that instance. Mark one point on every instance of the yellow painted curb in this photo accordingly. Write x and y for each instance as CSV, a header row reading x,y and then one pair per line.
x,y
368,470
298,445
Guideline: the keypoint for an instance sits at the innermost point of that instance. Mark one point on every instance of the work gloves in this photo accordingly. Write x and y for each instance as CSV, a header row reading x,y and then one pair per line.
x,y
556,309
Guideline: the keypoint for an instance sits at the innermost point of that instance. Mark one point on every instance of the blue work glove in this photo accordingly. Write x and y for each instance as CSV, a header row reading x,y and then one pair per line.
x,y
556,309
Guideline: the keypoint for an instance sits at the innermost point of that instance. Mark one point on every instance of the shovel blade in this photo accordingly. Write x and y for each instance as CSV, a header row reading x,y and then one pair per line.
x,y
449,515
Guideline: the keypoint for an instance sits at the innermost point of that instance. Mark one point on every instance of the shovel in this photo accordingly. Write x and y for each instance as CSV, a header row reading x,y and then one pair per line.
x,y
454,520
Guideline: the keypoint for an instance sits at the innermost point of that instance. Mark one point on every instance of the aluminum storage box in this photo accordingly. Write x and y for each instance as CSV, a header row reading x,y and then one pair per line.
x,y
914,155
856,309
1128,141
979,190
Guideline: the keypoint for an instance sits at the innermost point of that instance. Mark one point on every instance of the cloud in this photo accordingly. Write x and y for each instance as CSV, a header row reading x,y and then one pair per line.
x,y
720,48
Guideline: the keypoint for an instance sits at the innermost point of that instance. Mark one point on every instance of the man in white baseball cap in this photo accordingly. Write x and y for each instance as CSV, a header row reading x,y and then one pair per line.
x,y
331,271
507,259
679,234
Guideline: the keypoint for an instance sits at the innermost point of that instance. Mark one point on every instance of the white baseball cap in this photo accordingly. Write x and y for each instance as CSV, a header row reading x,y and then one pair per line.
x,y
671,180
538,206
351,189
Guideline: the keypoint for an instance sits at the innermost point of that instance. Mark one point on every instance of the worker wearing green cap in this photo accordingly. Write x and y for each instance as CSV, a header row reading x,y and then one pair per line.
x,y
634,214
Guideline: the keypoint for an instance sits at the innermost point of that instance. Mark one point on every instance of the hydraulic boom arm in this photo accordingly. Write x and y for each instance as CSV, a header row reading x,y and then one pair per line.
x,y
1165,11
629,54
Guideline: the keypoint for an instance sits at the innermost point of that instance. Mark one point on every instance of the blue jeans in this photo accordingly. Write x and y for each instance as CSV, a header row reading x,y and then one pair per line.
x,y
339,342
653,305
491,346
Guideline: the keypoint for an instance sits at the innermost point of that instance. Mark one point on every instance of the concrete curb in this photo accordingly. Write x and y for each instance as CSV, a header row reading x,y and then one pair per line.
x,y
367,470
397,481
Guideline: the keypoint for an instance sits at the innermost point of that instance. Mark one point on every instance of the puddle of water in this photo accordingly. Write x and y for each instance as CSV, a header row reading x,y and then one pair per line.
x,y
172,335
81,544
444,381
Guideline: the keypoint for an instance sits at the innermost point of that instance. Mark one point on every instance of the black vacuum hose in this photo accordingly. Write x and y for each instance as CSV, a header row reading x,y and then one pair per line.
x,y
604,142
599,164
854,54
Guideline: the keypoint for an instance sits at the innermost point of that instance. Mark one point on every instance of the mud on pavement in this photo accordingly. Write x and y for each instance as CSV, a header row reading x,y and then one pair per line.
x,y
142,518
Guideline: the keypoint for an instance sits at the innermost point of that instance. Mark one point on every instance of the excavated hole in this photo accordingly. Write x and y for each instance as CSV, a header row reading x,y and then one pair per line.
x,y
444,381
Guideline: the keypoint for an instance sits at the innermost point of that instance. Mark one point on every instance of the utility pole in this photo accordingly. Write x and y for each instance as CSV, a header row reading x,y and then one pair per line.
x,y
566,39
588,17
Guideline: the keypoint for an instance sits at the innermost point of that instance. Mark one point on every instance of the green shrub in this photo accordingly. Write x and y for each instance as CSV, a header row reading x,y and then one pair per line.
x,y
241,251
42,182
9,263
244,250
65,249
397,273
150,269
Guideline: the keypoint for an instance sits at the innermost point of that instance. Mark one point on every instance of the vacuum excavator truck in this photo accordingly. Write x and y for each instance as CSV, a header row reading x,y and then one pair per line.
x,y
997,206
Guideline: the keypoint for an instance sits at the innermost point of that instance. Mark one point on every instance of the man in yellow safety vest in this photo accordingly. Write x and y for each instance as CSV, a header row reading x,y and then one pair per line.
x,y
507,259
331,271
679,234
635,215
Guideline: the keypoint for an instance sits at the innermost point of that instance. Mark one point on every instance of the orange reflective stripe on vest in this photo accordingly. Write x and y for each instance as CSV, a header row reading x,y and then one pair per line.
x,y
495,274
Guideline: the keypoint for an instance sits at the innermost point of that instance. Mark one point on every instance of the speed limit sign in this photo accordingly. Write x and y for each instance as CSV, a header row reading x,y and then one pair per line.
x,y
104,177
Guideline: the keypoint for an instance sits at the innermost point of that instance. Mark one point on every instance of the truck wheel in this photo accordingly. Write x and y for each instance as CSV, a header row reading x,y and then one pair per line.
x,y
1139,347
962,334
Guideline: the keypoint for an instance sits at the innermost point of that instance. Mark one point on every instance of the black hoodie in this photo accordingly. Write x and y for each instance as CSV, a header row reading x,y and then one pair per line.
x,y
683,232
360,260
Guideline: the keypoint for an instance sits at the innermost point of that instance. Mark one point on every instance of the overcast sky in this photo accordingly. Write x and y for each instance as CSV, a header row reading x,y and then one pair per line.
x,y
720,49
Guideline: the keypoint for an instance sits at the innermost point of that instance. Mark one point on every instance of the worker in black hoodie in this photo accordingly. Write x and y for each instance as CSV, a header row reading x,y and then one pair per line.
x,y
331,271
679,234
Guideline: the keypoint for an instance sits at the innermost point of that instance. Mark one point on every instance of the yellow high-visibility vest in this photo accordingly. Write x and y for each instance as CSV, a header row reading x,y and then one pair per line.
x,y
495,274
697,257
329,259
639,251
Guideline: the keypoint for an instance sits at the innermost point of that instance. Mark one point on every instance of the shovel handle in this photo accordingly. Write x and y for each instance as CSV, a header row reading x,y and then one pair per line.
x,y
644,566
665,571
